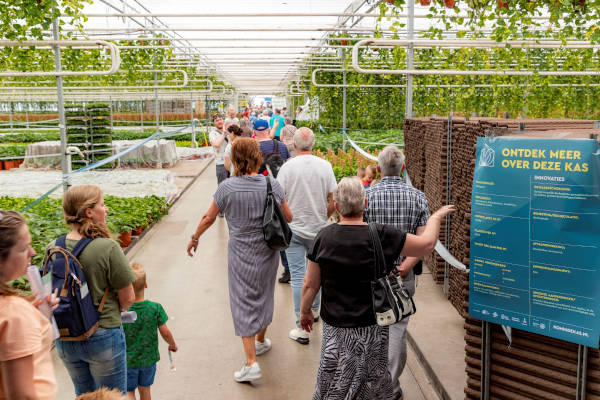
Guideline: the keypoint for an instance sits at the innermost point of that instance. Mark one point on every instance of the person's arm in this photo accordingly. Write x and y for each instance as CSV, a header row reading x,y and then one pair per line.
x,y
126,297
227,163
166,334
409,262
207,220
218,139
287,213
420,245
17,378
312,283
330,206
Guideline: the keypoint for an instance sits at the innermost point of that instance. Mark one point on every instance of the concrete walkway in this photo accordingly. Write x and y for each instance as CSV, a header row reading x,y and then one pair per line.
x,y
194,294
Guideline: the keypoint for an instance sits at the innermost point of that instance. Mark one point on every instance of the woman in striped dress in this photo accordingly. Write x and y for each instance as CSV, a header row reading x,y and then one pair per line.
x,y
252,264
354,351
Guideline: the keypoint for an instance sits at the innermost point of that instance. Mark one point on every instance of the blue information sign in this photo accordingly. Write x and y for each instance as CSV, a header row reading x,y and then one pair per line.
x,y
535,236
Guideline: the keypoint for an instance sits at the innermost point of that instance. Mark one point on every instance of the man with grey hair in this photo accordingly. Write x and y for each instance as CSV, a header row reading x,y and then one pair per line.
x,y
309,183
393,202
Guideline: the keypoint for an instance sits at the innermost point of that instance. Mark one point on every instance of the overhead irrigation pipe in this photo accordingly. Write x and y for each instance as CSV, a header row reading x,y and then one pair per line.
x,y
235,15
469,44
315,83
114,56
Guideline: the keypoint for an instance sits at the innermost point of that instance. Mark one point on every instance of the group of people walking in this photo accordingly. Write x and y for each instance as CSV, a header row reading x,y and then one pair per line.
x,y
331,266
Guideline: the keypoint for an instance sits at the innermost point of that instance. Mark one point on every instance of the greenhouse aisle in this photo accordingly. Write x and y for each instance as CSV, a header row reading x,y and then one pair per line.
x,y
194,294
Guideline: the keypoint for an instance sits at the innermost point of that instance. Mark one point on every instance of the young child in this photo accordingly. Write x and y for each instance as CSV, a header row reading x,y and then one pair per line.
x,y
142,338
360,172
370,174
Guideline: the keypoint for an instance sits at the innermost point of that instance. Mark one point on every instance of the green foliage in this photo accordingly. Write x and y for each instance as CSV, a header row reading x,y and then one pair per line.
x,y
46,221
12,150
335,140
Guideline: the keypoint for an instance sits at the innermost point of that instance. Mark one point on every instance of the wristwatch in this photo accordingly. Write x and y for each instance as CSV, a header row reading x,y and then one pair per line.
x,y
194,239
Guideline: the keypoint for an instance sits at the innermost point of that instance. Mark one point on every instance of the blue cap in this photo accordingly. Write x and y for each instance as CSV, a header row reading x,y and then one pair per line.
x,y
261,125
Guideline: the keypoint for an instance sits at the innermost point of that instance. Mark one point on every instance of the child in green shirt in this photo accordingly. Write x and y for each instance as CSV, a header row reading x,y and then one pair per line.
x,y
142,339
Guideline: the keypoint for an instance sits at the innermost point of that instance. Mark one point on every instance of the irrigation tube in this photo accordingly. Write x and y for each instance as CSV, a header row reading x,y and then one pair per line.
x,y
114,56
472,44
439,247
314,80
157,135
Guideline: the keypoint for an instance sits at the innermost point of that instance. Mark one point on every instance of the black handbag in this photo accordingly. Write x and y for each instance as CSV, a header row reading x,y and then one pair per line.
x,y
276,230
391,300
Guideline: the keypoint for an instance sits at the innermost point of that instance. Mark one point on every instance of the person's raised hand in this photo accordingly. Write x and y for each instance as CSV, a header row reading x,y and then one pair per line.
x,y
306,321
445,210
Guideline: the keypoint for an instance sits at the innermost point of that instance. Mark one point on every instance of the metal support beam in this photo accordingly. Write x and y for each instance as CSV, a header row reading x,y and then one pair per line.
x,y
410,54
345,84
65,161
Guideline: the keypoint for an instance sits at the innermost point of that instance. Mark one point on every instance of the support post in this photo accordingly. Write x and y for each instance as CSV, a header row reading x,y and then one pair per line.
x,y
410,61
141,108
485,361
582,363
27,116
343,56
10,116
156,101
65,161
448,199
110,108
194,144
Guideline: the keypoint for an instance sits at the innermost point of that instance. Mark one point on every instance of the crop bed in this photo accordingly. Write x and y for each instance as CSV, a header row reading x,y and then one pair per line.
x,y
46,222
535,366
121,183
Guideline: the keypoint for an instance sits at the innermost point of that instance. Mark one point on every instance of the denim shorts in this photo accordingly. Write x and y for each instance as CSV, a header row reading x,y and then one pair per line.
x,y
140,377
100,361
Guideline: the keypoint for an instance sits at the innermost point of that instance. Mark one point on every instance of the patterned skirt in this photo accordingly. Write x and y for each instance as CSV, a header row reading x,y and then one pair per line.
x,y
354,364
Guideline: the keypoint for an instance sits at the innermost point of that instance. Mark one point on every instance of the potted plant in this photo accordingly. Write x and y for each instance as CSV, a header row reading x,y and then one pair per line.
x,y
503,3
425,2
125,238
449,3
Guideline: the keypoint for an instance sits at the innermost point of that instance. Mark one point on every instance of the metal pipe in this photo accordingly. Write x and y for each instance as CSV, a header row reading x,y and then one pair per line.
x,y
315,83
468,44
410,54
65,161
114,55
186,29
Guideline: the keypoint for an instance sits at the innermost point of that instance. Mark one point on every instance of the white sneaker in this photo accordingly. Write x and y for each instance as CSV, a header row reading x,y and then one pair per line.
x,y
248,373
299,336
262,348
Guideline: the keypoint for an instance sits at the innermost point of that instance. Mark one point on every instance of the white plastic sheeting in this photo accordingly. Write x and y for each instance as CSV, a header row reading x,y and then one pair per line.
x,y
122,183
155,151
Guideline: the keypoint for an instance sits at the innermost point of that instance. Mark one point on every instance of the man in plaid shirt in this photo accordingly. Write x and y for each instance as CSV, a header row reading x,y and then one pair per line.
x,y
393,202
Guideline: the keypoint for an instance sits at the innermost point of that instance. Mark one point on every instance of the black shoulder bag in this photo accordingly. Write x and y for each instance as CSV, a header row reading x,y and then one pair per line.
x,y
276,230
391,300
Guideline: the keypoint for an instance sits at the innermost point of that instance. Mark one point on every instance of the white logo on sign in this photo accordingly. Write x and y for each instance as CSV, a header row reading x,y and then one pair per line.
x,y
487,156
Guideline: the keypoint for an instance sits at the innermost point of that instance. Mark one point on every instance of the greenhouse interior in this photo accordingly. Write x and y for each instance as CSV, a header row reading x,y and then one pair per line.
x,y
430,140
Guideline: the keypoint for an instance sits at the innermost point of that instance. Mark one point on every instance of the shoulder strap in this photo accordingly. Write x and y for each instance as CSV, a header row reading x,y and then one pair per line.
x,y
80,246
275,146
379,257
61,241
269,188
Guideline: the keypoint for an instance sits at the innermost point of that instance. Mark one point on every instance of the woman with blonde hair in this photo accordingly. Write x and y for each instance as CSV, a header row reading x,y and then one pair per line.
x,y
252,264
26,370
100,360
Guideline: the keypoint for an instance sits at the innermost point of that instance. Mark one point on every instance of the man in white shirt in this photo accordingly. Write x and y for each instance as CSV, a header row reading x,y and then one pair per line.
x,y
218,140
309,183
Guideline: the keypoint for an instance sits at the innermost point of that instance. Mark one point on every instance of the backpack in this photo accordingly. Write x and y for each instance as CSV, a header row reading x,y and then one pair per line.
x,y
76,316
274,160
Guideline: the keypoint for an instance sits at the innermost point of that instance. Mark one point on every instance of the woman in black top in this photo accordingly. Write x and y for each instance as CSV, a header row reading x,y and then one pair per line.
x,y
355,349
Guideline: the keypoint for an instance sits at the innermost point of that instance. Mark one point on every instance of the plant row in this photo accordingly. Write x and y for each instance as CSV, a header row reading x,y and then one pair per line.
x,y
46,221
